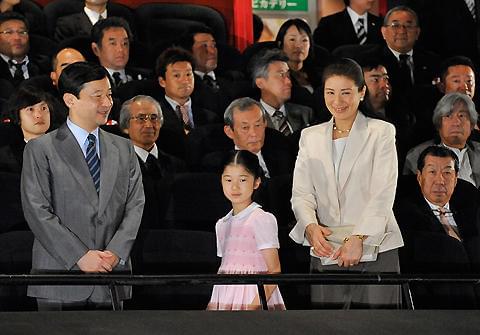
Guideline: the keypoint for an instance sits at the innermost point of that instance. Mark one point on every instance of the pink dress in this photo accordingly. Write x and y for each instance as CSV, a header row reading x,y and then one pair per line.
x,y
239,241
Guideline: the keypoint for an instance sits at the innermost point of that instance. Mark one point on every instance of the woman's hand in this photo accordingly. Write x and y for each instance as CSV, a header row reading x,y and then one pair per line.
x,y
316,237
350,252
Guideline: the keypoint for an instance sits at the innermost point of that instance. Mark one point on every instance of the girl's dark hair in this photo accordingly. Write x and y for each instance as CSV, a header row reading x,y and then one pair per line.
x,y
246,159
345,67
26,96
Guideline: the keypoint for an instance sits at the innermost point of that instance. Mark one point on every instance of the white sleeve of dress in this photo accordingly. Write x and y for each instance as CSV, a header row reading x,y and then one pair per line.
x,y
266,230
220,234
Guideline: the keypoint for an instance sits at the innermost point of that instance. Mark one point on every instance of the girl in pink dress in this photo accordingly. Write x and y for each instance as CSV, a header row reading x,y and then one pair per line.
x,y
247,238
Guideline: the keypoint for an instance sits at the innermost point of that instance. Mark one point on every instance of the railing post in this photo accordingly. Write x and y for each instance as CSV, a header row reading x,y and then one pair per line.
x,y
408,296
115,298
262,296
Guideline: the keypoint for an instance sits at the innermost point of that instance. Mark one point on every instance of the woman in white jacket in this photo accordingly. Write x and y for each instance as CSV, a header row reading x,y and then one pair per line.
x,y
344,181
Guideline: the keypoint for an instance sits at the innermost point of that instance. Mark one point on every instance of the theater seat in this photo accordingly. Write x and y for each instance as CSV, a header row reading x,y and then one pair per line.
x,y
196,202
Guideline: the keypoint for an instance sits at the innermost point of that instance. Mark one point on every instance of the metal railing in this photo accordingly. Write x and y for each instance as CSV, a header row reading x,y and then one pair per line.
x,y
114,280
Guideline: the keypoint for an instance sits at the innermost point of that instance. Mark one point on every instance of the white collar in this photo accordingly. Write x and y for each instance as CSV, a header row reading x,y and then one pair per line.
x,y
93,16
244,213
202,74
354,16
270,110
397,54
143,154
174,104
436,207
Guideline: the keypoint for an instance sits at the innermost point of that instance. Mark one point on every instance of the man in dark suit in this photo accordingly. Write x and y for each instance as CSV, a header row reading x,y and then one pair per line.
x,y
111,40
80,24
353,25
215,89
440,225
15,63
271,75
141,118
407,65
181,112
245,124
82,194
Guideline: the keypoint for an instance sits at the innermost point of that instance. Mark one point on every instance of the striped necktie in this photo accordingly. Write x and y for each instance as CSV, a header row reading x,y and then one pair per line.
x,y
93,161
449,229
471,8
361,34
282,123
182,112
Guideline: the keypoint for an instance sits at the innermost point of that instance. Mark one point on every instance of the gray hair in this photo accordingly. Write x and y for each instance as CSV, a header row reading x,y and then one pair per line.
x,y
445,106
241,105
261,62
400,9
125,110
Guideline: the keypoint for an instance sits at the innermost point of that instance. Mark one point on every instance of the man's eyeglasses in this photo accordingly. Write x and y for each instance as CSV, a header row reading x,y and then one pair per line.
x,y
142,118
397,26
11,32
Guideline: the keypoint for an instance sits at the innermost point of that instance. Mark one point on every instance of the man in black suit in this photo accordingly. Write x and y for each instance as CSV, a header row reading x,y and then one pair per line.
x,y
272,76
440,226
353,25
15,63
215,89
111,40
181,112
141,118
407,65
80,24
245,124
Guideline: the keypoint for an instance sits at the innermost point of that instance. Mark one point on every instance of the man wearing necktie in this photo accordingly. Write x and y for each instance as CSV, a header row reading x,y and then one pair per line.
x,y
181,110
441,229
407,64
272,76
15,64
353,25
111,38
82,195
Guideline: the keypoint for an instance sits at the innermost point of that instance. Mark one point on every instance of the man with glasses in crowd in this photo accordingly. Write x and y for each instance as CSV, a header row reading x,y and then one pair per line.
x,y
15,63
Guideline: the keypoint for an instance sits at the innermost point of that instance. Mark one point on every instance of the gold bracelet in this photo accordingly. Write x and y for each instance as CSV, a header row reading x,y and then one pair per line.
x,y
361,237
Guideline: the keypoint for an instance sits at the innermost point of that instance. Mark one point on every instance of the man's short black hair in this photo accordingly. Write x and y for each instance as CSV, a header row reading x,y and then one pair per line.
x,y
9,16
98,29
454,61
171,56
187,39
76,75
437,151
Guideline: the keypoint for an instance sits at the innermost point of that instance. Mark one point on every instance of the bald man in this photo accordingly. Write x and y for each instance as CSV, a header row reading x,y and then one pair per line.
x,y
63,58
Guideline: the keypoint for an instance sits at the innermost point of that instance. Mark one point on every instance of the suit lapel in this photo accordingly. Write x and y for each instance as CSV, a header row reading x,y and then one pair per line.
x,y
326,146
355,142
293,116
109,161
69,149
474,163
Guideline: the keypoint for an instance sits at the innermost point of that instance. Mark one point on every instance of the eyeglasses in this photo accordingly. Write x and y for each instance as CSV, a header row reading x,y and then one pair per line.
x,y
142,118
397,26
11,32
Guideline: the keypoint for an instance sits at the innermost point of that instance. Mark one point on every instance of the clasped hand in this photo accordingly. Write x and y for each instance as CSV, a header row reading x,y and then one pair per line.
x,y
98,261
348,254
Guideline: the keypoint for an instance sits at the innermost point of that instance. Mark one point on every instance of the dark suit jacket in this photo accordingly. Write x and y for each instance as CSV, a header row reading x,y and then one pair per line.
x,y
298,116
11,149
217,101
337,29
425,67
78,24
34,69
448,27
428,248
201,116
68,217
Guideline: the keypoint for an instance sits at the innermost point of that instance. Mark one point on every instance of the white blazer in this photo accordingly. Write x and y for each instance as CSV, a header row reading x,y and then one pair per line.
x,y
364,194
